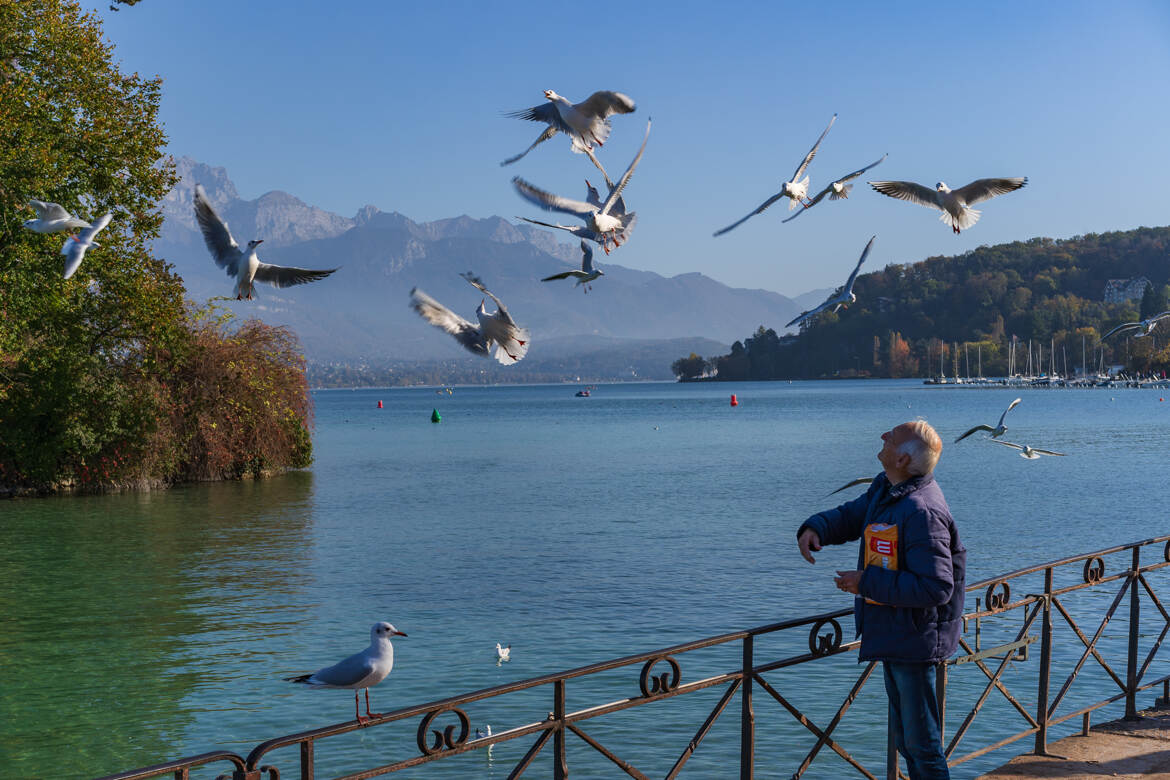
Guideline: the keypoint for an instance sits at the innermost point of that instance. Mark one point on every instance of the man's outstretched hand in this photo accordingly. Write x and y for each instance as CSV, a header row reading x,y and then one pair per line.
x,y
849,581
809,541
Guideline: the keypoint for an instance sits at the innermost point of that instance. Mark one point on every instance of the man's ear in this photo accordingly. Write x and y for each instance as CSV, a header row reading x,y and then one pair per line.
x,y
902,461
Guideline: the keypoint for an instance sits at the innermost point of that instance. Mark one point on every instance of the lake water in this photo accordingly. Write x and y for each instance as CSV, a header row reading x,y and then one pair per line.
x,y
143,627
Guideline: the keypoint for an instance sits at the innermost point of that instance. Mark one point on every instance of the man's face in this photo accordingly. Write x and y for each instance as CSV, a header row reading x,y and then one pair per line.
x,y
891,440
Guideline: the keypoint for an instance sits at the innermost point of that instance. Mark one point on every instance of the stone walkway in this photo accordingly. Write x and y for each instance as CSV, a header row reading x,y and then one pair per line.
x,y
1123,749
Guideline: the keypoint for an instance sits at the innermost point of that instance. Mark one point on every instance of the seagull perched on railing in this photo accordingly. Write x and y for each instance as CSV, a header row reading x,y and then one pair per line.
x,y
1146,326
999,430
602,223
360,670
586,274
52,218
75,246
954,204
837,190
244,265
843,298
497,328
796,190
1031,453
586,123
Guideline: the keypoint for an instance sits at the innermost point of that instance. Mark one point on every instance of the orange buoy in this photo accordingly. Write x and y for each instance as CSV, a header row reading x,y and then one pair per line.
x,y
734,400
379,404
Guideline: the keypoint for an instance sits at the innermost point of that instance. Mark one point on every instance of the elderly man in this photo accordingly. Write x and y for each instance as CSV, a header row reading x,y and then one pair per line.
x,y
909,584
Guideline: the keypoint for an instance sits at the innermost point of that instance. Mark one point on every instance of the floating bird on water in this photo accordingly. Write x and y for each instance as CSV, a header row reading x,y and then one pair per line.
x,y
243,265
837,190
586,123
360,670
796,190
497,328
603,223
52,218
586,274
75,246
843,298
999,430
503,654
1031,453
1146,327
954,204
858,481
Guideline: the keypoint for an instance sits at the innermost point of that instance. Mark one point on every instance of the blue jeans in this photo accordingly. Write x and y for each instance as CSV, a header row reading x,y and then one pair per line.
x,y
914,719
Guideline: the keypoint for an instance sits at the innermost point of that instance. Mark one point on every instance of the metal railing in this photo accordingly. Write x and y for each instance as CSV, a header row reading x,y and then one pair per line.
x,y
1042,608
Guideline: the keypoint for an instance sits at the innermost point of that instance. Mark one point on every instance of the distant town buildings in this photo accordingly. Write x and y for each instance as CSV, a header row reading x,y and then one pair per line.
x,y
1122,290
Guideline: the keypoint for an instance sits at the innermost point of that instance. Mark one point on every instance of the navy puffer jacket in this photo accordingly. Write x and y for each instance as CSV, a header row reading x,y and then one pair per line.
x,y
920,609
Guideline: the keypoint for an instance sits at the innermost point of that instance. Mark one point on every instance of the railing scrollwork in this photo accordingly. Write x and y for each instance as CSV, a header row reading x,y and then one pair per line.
x,y
655,685
823,644
998,595
1094,570
445,739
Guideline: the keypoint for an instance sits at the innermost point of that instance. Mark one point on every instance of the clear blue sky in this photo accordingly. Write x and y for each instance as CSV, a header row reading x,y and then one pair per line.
x,y
400,105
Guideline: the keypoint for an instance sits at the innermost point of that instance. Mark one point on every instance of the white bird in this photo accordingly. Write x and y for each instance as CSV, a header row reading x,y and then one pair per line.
x,y
243,265
954,204
858,481
837,190
843,298
999,430
796,189
618,210
1146,326
1031,453
75,246
497,328
360,670
585,123
503,654
52,218
586,274
602,223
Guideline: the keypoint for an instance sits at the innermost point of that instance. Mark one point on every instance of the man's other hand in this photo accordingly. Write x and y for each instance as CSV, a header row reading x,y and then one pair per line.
x,y
849,581
809,541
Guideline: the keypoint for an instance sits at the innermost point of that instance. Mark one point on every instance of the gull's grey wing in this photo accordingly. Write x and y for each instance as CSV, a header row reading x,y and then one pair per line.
x,y
561,275
570,228
287,276
545,112
1121,327
805,315
987,428
808,158
224,249
441,317
550,202
600,167
816,199
909,191
74,249
859,171
759,210
1011,406
847,485
49,211
985,189
344,674
616,192
548,133
1008,444
478,284
853,276
1047,452
1159,317
604,103
586,258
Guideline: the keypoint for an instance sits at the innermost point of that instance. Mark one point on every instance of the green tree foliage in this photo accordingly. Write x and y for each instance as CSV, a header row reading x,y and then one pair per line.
x,y
691,367
88,366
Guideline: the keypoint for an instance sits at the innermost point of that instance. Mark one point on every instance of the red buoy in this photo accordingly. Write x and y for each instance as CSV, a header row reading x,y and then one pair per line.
x,y
379,404
734,401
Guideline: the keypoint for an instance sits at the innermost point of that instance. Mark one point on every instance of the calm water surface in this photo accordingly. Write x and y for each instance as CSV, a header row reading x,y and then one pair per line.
x,y
139,628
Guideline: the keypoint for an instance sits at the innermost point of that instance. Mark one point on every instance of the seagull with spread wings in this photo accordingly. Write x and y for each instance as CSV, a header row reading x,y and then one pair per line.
x,y
75,246
796,189
242,264
955,205
999,430
837,190
843,298
1146,327
52,218
1031,453
602,223
498,327
586,123
585,274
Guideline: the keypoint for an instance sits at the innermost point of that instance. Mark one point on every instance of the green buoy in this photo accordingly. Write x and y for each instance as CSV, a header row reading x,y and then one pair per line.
x,y
435,417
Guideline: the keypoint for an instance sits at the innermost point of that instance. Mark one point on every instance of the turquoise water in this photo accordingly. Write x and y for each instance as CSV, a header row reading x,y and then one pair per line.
x,y
140,628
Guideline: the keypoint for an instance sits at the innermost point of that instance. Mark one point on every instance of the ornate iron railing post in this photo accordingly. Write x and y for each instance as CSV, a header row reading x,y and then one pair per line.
x,y
747,718
1131,661
560,762
1041,748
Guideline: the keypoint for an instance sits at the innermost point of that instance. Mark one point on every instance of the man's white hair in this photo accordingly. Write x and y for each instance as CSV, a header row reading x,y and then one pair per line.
x,y
924,446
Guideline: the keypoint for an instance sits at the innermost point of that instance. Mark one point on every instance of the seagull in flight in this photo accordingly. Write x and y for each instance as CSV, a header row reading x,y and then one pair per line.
x,y
999,430
1146,326
847,485
602,223
497,328
843,298
954,204
75,246
503,654
360,670
587,272
796,190
586,123
52,218
243,265
1031,453
837,190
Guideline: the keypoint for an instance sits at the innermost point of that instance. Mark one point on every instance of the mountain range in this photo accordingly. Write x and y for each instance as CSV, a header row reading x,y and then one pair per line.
x,y
360,315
